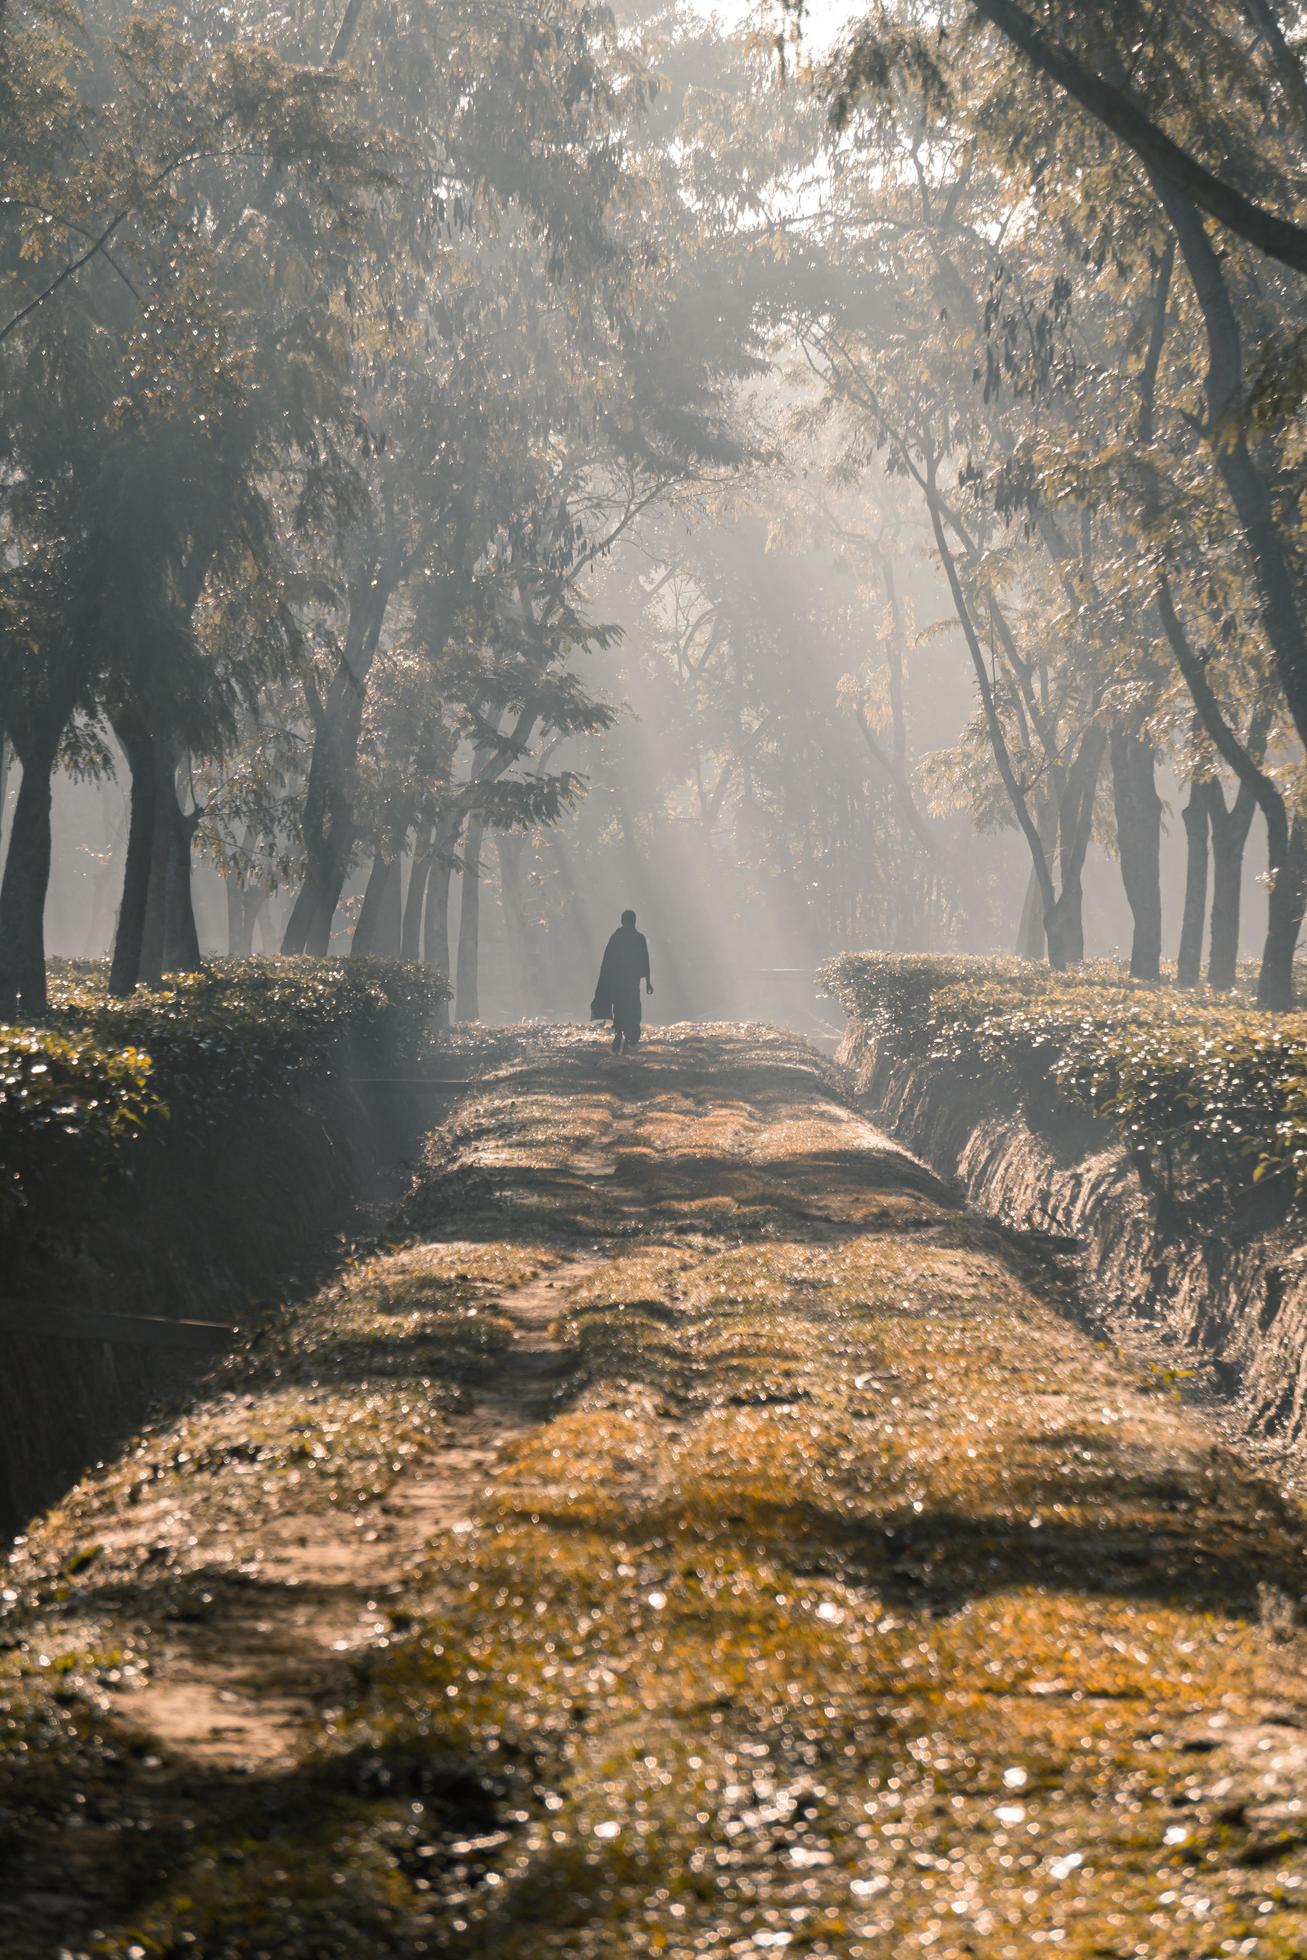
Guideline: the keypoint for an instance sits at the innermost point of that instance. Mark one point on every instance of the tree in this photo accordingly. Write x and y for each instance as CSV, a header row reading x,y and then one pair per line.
x,y
131,375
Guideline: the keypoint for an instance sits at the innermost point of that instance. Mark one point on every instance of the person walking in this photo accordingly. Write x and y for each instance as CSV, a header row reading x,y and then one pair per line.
x,y
617,996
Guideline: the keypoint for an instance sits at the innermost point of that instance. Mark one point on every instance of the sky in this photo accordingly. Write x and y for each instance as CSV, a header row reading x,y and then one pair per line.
x,y
823,20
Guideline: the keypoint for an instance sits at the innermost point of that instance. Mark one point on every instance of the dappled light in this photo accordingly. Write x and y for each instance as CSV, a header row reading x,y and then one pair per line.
x,y
653,1055
713,1541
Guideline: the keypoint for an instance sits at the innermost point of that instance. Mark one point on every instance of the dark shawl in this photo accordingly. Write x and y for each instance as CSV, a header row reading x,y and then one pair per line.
x,y
625,964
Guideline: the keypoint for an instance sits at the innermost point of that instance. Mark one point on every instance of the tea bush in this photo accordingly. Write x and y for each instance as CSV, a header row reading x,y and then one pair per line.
x,y
1203,1089
102,1072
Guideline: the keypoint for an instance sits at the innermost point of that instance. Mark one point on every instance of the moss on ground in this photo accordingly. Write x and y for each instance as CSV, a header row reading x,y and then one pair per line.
x,y
837,1595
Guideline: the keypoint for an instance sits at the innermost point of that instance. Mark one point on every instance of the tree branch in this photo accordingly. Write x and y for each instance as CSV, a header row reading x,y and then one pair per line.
x,y
1277,237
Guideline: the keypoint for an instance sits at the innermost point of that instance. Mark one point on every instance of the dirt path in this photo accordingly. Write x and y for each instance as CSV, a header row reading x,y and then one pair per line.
x,y
695,1536
239,1693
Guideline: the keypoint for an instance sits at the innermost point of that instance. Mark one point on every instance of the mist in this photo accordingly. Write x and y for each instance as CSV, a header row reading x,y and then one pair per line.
x,y
711,521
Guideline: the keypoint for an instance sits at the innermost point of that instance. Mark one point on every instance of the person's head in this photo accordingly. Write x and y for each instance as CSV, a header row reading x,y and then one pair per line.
x,y
628,918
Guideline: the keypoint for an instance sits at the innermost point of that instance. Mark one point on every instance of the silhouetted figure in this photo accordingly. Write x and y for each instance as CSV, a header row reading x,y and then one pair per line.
x,y
617,996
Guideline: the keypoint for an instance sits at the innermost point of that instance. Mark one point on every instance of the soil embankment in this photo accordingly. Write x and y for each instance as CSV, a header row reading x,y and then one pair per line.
x,y
1220,1277
149,1285
696,1535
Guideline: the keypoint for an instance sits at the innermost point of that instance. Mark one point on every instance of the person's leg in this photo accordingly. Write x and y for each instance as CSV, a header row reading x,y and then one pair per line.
x,y
626,1022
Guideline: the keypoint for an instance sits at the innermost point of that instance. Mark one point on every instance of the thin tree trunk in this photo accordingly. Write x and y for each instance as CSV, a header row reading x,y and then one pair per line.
x,y
1017,795
367,930
1230,829
168,937
1065,923
181,939
467,1004
391,922
237,943
1139,846
330,831
138,748
244,903
1285,902
435,937
243,908
380,917
1030,928
150,973
1189,964
25,883
308,929
1270,552
1064,927
410,932
1032,943
1284,844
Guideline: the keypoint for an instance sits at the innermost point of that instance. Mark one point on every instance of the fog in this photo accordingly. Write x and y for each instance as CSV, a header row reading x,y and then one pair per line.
x,y
673,461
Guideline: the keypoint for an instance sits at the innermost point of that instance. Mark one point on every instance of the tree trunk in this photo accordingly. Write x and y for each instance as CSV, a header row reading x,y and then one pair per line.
x,y
1284,843
1139,846
1064,920
26,880
150,972
181,939
1017,794
330,832
1285,902
328,850
1270,549
138,747
169,942
467,1005
383,878
238,941
410,931
1032,943
244,904
1030,929
1189,963
381,914
1064,928
435,947
1229,836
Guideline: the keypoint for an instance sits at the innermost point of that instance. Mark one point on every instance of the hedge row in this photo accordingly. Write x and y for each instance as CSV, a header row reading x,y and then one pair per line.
x,y
100,1073
1205,1090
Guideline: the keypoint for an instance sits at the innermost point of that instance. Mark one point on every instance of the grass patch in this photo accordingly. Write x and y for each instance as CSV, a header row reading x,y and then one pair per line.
x,y
838,1597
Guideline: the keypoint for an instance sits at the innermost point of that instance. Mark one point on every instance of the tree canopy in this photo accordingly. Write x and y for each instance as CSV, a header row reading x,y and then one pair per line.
x,y
429,427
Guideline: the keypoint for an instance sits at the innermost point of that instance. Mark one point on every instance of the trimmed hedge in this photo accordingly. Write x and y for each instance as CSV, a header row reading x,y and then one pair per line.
x,y
1204,1090
78,1091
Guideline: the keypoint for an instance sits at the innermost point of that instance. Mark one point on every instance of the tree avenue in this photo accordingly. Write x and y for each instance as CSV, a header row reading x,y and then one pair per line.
x,y
447,452
596,601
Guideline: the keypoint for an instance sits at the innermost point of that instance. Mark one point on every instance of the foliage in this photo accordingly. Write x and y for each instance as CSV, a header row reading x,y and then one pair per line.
x,y
64,1097
241,1028
1062,376
1201,1089
76,1095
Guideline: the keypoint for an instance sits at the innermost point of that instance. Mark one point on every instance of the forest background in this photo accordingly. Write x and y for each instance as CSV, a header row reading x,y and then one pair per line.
x,y
826,483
